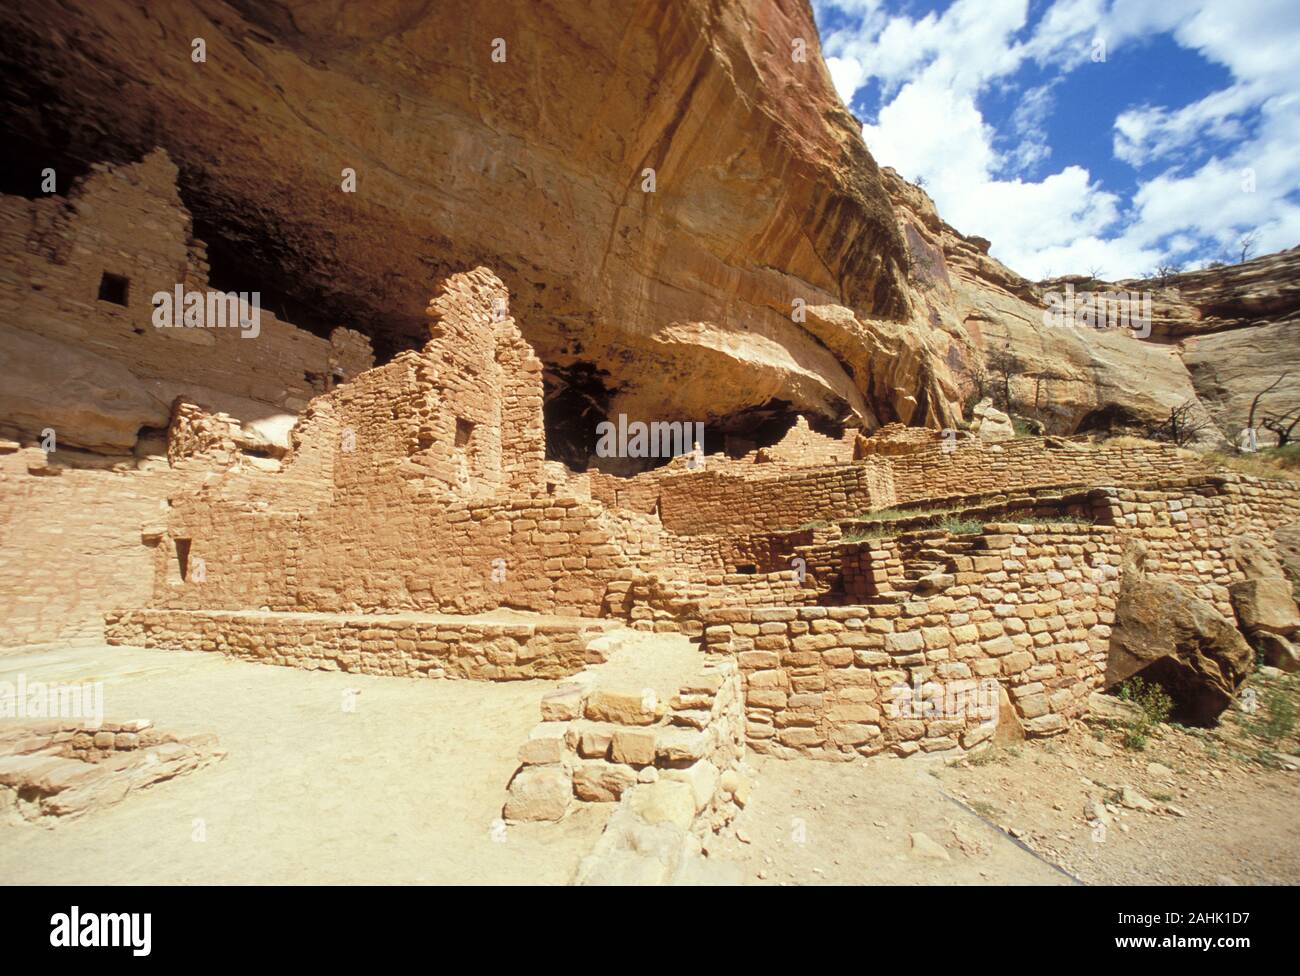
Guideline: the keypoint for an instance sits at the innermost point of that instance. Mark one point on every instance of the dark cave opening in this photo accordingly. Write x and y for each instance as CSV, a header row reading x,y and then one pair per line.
x,y
26,155
576,399
1109,419
241,262
579,396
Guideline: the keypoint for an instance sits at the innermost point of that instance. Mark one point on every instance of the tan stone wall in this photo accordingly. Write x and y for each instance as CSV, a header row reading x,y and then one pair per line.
x,y
389,501
1029,605
97,371
399,646
974,466
73,543
834,680
802,445
710,501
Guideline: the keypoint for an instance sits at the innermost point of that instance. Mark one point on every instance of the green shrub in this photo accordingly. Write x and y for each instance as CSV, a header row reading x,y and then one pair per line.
x,y
1155,705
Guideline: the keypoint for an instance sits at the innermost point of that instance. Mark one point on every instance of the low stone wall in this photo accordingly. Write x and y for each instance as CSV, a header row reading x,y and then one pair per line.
x,y
974,466
65,768
712,501
594,744
1031,611
400,645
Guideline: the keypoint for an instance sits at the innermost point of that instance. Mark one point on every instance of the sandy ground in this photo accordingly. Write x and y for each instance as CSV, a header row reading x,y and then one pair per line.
x,y
408,787
853,823
1226,800
1223,810
405,788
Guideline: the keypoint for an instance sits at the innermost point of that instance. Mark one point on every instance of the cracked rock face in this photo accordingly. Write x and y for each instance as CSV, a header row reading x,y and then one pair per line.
x,y
536,166
773,270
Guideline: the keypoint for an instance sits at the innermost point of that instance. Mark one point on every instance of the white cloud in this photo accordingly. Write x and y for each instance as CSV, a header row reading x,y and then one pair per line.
x,y
933,69
848,75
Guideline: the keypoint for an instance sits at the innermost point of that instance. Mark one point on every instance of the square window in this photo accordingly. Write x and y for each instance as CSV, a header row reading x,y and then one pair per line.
x,y
114,288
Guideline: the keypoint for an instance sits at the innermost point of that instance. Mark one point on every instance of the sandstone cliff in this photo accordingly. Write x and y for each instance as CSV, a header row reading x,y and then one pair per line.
x,y
773,270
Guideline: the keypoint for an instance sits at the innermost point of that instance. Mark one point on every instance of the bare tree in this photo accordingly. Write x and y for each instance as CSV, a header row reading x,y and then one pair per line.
x,y
1181,427
1254,404
1002,366
1166,271
1095,273
1282,425
1247,244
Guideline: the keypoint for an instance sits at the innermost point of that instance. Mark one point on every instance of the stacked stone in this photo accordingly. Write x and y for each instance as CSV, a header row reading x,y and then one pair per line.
x,y
594,744
66,768
711,501
1030,608
407,645
976,466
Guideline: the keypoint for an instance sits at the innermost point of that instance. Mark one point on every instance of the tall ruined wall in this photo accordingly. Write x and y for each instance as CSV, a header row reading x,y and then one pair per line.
x,y
431,493
96,370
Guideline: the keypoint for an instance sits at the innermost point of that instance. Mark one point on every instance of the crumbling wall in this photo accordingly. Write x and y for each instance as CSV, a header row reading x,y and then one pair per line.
x,y
437,496
710,501
1027,605
825,681
74,542
974,466
77,276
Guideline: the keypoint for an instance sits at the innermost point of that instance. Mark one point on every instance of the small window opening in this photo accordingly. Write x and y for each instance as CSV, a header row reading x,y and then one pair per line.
x,y
114,288
747,569
464,429
183,558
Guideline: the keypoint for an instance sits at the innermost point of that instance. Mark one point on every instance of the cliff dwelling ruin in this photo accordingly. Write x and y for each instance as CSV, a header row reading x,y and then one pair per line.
x,y
882,515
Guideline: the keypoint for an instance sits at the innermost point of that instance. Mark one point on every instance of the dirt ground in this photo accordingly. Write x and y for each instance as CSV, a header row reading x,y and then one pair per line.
x,y
1223,810
405,788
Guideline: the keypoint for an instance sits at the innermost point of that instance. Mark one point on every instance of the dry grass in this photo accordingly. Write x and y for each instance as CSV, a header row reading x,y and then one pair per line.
x,y
1269,462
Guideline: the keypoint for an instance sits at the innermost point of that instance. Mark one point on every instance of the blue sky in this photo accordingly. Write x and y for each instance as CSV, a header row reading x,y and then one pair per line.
x,y
1115,135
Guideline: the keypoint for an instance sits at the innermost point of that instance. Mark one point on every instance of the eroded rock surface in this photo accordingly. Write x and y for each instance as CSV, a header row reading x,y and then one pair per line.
x,y
1166,636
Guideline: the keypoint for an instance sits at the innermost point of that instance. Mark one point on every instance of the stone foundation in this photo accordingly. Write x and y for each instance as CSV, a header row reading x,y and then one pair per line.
x,y
399,645
596,744
66,769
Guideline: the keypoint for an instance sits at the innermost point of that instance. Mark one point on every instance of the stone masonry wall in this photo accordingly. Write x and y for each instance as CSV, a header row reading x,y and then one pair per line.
x,y
836,681
1029,605
711,501
73,543
408,646
975,466
98,371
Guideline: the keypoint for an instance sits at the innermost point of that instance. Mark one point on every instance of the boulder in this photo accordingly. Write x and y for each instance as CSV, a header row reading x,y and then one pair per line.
x,y
1288,547
991,424
539,793
1277,651
1108,708
1255,559
1266,611
1264,605
1166,636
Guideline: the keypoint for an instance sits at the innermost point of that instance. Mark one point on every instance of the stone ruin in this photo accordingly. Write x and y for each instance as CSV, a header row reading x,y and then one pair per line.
x,y
893,591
